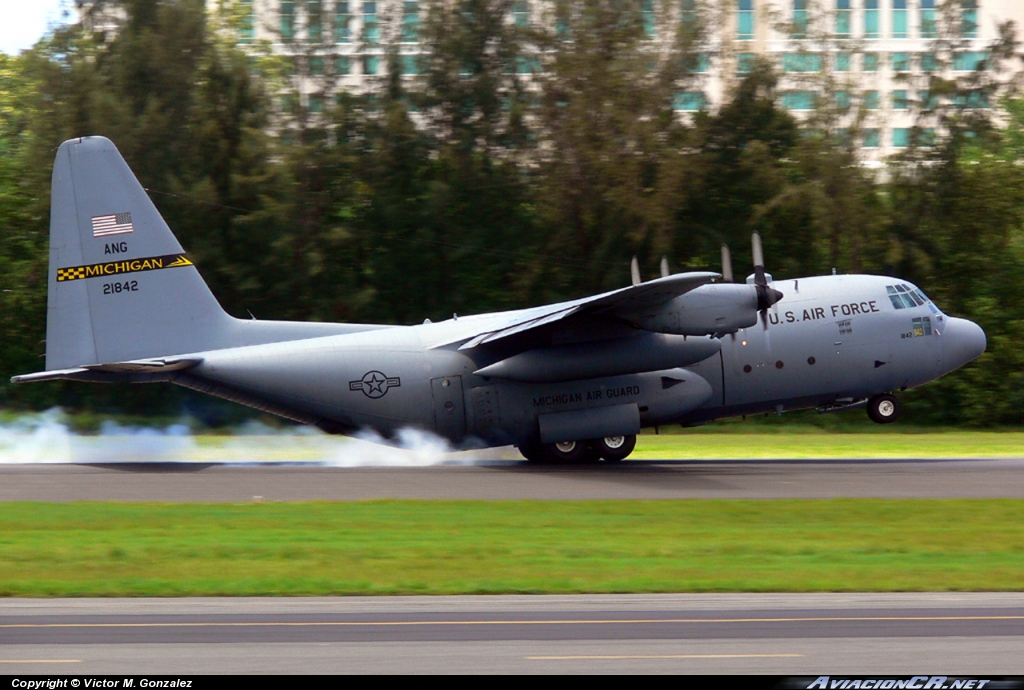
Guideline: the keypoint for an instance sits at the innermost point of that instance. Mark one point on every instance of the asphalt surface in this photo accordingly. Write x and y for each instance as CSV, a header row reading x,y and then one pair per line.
x,y
767,479
789,634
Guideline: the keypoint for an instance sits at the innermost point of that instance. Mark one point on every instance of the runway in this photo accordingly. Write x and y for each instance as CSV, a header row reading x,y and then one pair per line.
x,y
505,480
788,634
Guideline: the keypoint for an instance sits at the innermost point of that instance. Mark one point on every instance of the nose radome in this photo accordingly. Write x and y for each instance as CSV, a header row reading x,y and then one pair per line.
x,y
962,341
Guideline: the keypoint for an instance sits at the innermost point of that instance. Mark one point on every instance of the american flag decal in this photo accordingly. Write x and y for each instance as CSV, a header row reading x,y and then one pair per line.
x,y
112,224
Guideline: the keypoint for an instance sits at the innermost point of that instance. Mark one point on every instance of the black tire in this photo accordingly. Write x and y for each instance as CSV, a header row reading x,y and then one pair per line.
x,y
884,409
564,453
533,453
615,448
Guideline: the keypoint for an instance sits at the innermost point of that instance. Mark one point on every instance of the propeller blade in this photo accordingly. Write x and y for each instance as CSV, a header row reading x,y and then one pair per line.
x,y
759,279
664,267
726,264
634,271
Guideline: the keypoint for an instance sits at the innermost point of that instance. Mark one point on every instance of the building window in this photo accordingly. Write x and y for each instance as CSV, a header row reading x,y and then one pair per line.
x,y
870,138
341,22
745,20
799,18
843,100
371,29
975,98
870,18
801,62
647,18
316,66
314,21
745,63
928,19
798,100
700,63
969,18
969,62
411,22
689,101
929,63
899,100
410,65
521,14
870,62
871,100
899,18
842,18
900,62
843,61
341,65
245,24
928,100
287,20
371,64
901,137
688,13
316,103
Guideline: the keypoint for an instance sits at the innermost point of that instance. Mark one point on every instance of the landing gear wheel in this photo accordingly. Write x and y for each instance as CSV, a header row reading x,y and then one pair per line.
x,y
533,453
884,409
565,452
615,448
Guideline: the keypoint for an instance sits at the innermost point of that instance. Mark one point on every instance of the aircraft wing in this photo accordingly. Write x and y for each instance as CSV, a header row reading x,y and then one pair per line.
x,y
623,303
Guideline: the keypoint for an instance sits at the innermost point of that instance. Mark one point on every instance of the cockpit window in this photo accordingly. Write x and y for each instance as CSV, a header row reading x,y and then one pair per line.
x,y
904,296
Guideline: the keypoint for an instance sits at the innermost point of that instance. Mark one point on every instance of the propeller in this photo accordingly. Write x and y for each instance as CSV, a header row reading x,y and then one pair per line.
x,y
726,264
766,296
634,271
664,267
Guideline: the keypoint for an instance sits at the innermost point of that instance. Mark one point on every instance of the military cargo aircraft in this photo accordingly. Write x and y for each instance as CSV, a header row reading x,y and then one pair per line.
x,y
574,381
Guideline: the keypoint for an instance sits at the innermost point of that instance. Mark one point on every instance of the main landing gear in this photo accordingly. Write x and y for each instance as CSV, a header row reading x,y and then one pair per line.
x,y
609,449
884,408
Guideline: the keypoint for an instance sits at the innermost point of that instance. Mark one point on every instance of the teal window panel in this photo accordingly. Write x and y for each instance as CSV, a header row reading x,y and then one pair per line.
x,y
798,100
901,137
870,18
929,63
410,64
745,20
342,22
870,138
799,18
316,66
842,18
928,25
969,18
900,62
371,64
801,62
689,101
899,100
314,21
411,22
843,62
969,61
342,66
899,18
870,62
745,63
843,100
287,20
371,27
647,18
871,100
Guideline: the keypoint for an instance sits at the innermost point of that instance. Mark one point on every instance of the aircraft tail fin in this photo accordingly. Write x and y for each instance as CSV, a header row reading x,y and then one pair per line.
x,y
120,286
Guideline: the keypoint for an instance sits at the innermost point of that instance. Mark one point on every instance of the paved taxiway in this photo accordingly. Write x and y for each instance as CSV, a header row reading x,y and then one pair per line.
x,y
788,634
170,482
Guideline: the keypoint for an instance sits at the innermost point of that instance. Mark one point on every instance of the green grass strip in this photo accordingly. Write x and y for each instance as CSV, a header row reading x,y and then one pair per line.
x,y
469,547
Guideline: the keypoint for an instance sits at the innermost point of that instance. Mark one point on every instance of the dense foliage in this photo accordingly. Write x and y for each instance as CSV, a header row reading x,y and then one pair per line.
x,y
523,164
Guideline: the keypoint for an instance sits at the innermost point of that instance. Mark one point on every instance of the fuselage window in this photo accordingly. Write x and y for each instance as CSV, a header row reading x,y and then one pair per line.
x,y
927,323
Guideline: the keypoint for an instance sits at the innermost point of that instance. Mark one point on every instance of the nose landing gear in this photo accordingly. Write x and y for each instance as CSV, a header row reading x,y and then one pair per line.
x,y
884,408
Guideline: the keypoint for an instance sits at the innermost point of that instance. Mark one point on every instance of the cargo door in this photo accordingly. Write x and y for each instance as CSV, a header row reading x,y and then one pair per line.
x,y
449,407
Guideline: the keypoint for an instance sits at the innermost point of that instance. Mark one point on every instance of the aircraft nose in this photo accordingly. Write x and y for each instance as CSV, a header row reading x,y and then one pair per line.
x,y
962,341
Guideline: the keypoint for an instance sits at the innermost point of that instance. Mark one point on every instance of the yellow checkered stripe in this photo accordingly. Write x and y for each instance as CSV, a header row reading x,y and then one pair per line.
x,y
113,268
